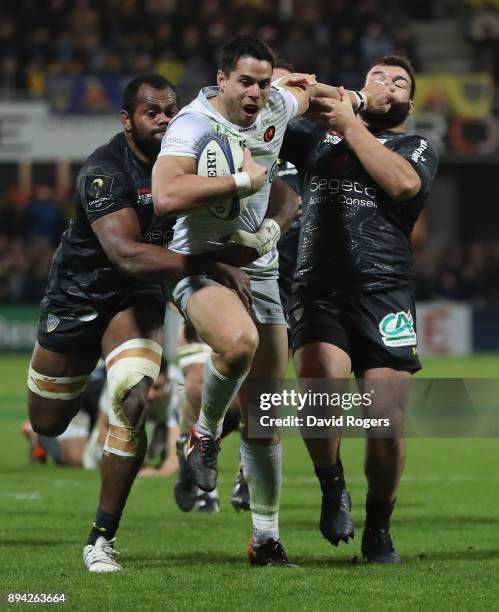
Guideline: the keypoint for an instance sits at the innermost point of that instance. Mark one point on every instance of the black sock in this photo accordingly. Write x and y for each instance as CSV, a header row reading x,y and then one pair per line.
x,y
331,476
378,513
105,525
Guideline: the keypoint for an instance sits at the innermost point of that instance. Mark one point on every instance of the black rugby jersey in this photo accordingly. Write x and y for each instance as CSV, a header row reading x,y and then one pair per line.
x,y
353,237
111,179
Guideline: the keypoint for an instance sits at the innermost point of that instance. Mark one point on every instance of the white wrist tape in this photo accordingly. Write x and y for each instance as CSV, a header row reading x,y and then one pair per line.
x,y
362,101
243,184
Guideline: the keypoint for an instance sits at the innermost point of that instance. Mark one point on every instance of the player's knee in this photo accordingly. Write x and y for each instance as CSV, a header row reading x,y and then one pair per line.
x,y
240,349
46,424
129,367
134,405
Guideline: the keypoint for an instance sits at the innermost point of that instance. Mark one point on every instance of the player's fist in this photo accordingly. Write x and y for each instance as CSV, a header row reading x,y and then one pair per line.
x,y
256,172
378,95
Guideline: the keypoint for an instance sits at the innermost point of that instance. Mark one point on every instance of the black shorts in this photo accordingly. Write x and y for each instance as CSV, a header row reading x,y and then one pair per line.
x,y
377,330
69,324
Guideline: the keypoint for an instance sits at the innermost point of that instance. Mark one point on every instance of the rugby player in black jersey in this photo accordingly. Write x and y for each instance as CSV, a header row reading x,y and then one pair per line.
x,y
353,306
105,296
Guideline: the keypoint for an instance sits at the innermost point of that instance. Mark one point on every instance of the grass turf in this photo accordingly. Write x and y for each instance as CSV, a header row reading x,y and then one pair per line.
x,y
445,526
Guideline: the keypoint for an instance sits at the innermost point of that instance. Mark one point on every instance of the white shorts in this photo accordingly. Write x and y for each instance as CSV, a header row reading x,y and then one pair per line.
x,y
266,307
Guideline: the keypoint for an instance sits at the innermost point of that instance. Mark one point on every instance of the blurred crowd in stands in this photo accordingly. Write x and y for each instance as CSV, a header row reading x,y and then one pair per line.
x,y
179,38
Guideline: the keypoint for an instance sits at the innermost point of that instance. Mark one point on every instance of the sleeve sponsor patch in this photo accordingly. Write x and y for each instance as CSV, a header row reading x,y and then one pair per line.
x,y
98,192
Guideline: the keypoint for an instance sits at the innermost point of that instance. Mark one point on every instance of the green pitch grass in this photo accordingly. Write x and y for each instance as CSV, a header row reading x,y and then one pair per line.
x,y
446,527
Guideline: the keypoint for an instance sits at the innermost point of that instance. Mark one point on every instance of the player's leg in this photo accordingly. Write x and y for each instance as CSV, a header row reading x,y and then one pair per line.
x,y
132,345
56,382
384,356
261,457
321,351
222,322
384,461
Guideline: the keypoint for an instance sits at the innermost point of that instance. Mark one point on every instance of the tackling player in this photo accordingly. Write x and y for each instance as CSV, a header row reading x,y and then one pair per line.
x,y
105,296
365,187
247,108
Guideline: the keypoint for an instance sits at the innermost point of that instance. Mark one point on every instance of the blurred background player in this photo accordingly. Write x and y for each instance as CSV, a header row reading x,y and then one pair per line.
x,y
366,185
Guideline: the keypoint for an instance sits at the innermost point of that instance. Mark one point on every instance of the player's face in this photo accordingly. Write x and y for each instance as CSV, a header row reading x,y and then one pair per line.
x,y
246,90
398,82
154,110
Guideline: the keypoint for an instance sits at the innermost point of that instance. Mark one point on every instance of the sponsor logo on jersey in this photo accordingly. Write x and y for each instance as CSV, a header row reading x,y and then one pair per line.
x,y
418,153
333,138
269,133
97,190
144,196
52,323
397,329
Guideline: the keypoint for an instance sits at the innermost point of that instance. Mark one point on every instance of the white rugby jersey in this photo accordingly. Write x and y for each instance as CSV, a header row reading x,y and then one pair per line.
x,y
200,231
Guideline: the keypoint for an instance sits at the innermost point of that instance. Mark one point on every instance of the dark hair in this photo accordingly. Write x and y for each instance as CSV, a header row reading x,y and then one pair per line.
x,y
244,46
282,63
156,81
403,62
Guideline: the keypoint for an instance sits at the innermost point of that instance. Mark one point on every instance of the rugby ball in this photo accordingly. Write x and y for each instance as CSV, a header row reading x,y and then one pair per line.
x,y
220,155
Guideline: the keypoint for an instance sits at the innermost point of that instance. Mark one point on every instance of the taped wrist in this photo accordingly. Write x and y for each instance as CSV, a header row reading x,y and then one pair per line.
x,y
243,184
362,101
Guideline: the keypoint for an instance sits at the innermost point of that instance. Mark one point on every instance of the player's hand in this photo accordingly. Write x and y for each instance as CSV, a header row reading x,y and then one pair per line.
x,y
235,279
256,172
262,241
337,114
378,95
296,79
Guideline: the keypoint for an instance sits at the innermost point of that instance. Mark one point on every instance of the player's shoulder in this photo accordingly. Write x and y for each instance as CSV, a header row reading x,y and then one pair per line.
x,y
109,156
415,142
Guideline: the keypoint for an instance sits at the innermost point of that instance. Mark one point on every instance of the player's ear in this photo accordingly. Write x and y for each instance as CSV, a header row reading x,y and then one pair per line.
x,y
221,79
125,121
411,107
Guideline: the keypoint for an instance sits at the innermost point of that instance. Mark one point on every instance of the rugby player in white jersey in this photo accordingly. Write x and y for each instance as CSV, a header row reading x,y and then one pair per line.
x,y
252,345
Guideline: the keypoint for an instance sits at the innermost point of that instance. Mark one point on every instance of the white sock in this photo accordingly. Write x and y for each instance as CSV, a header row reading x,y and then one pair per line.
x,y
217,395
262,471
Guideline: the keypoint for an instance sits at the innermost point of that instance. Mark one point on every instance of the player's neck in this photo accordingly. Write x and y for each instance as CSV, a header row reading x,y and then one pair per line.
x,y
137,152
398,129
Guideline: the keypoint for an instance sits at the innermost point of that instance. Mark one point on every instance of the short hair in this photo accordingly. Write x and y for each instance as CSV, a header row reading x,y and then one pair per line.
x,y
283,64
244,46
156,81
403,62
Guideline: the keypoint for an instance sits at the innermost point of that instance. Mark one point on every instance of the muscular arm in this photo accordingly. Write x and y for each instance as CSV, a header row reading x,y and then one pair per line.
x,y
119,236
390,171
177,189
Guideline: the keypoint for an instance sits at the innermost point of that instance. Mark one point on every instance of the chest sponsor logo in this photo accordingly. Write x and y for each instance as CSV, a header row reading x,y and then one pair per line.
x,y
397,329
344,191
97,191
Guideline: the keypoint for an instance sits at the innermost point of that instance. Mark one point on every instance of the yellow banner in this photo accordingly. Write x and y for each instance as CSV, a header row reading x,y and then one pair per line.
x,y
467,95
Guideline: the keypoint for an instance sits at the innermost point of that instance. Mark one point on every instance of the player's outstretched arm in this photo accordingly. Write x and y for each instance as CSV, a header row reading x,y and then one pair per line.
x,y
119,236
177,189
374,96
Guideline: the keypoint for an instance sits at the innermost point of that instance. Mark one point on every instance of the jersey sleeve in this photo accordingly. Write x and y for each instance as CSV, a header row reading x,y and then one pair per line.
x,y
103,188
298,139
183,134
290,102
423,157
